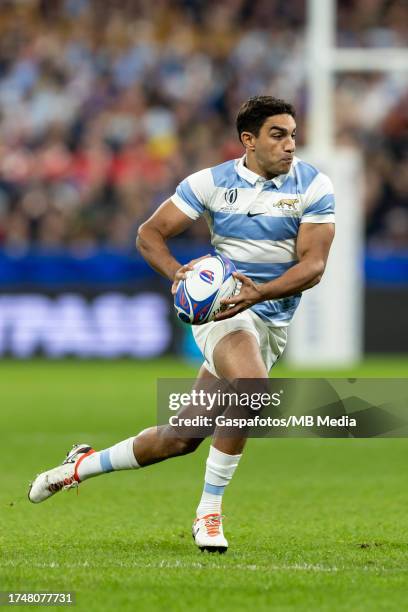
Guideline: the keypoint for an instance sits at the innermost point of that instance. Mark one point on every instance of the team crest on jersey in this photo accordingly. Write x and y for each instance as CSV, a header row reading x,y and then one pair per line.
x,y
286,204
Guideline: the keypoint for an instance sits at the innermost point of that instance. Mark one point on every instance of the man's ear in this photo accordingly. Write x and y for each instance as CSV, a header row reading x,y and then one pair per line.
x,y
248,140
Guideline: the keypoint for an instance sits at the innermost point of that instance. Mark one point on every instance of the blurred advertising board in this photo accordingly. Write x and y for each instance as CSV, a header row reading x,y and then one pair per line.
x,y
106,324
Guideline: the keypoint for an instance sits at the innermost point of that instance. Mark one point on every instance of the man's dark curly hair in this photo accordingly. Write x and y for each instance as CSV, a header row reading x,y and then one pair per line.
x,y
254,112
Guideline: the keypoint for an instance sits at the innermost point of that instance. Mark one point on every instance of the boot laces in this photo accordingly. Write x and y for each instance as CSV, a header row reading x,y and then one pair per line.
x,y
212,523
67,483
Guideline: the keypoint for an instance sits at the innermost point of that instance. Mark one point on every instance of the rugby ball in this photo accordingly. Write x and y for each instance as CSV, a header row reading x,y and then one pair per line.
x,y
198,297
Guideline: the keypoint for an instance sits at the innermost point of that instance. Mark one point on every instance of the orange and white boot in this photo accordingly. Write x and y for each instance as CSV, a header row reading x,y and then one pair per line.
x,y
64,476
208,533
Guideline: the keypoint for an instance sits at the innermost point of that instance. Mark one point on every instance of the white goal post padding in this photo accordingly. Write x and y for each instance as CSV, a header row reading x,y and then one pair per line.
x,y
327,329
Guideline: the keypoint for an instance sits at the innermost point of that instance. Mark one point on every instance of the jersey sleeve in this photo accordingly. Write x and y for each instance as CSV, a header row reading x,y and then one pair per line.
x,y
319,201
192,195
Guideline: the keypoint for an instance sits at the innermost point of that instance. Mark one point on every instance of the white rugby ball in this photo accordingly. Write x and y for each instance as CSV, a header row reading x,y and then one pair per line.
x,y
198,297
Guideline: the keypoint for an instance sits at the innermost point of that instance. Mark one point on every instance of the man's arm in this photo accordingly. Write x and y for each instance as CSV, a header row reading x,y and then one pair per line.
x,y
167,221
312,248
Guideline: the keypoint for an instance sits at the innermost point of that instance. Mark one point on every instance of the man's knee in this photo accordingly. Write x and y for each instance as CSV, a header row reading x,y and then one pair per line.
x,y
189,445
180,446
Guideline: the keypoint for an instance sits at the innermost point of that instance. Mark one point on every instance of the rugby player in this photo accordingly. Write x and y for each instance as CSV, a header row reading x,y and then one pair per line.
x,y
272,214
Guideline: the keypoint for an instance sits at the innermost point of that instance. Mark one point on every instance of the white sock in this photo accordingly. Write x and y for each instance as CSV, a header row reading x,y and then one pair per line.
x,y
220,469
118,457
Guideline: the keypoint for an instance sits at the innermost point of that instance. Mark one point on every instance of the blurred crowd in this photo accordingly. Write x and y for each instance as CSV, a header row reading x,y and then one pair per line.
x,y
106,106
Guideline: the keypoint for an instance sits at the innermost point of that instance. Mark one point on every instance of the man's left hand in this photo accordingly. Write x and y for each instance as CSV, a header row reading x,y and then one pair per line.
x,y
250,294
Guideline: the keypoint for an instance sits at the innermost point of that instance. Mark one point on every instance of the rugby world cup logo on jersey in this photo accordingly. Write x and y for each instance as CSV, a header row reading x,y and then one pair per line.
x,y
230,197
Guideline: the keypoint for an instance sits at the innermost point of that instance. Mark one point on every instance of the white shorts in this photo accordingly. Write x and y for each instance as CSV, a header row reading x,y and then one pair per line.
x,y
271,340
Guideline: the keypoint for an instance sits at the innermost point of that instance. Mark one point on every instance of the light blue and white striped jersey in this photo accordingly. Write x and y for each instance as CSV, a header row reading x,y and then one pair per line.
x,y
254,221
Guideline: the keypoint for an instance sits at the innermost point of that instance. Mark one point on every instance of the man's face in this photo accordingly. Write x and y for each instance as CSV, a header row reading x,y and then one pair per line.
x,y
274,147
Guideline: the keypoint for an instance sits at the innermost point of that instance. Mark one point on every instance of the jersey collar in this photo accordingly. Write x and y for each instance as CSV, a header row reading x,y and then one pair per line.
x,y
254,178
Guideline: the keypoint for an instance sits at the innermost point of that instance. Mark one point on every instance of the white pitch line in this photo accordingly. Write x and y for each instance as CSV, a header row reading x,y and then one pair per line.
x,y
304,567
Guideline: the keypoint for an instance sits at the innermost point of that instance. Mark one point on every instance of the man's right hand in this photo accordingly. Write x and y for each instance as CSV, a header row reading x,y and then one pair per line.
x,y
181,273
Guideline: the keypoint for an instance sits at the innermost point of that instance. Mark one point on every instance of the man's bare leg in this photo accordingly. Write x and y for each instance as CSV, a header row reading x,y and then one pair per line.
x,y
236,356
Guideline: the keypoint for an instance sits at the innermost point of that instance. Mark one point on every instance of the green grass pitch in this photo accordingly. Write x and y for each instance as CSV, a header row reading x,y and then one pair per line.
x,y
313,524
